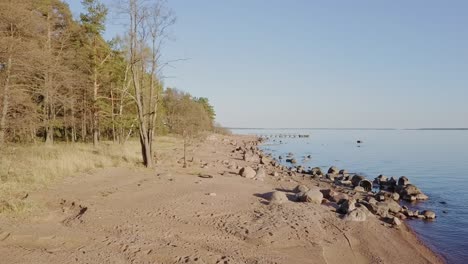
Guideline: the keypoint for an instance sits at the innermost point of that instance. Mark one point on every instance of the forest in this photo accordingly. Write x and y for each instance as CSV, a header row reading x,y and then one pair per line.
x,y
61,81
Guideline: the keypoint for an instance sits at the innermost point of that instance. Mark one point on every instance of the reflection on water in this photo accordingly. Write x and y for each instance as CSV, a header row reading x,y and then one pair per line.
x,y
436,161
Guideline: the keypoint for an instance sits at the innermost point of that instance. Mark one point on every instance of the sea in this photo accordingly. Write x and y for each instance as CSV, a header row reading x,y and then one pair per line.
x,y
434,160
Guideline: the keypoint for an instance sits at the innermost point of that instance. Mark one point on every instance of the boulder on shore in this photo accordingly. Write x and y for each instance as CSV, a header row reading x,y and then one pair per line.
x,y
333,170
311,196
260,174
278,197
403,181
359,189
347,206
247,172
366,185
357,215
251,157
381,180
356,179
301,189
316,171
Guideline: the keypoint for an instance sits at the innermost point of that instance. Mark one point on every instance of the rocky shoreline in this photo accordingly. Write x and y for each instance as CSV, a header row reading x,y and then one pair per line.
x,y
353,196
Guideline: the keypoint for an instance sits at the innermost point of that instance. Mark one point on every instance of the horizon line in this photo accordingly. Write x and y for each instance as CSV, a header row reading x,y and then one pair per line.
x,y
347,128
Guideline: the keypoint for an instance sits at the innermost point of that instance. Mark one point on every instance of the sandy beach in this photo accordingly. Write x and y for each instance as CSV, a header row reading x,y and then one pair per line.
x,y
204,213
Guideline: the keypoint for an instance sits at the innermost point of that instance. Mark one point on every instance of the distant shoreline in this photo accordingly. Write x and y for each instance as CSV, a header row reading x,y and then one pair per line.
x,y
444,129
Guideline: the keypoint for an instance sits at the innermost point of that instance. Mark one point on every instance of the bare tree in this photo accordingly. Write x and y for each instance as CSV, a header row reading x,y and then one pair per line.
x,y
149,21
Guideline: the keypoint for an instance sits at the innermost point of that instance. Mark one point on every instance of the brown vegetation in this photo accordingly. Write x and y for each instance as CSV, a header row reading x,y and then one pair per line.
x,y
60,81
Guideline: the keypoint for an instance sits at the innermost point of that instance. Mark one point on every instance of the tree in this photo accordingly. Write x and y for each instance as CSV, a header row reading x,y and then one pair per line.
x,y
16,43
147,33
93,22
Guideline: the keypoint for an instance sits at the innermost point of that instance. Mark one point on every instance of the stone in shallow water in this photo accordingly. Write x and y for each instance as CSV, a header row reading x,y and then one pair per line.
x,y
428,214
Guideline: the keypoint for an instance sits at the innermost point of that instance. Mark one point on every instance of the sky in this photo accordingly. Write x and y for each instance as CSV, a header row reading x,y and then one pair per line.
x,y
321,64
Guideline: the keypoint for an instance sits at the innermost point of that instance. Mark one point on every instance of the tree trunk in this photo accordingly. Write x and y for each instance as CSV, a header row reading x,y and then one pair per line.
x,y
49,137
95,98
114,136
5,102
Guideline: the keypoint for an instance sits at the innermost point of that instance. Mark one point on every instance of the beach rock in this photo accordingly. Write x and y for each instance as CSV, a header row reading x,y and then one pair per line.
x,y
340,197
327,193
300,169
251,157
333,170
381,180
403,181
408,213
346,183
311,196
261,173
316,171
278,197
395,221
292,161
371,200
391,183
301,189
390,206
370,207
366,185
428,214
247,172
275,174
265,160
357,215
421,197
380,197
356,179
409,198
330,176
408,189
384,195
347,206
401,216
359,189
334,196
343,172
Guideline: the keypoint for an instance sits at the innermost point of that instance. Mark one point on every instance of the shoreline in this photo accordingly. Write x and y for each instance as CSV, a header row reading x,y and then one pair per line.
x,y
405,224
204,213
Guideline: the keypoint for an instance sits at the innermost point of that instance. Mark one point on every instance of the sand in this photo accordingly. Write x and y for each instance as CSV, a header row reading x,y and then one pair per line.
x,y
172,215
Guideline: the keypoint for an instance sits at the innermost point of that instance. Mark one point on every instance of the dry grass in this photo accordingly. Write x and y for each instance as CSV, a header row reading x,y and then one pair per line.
x,y
24,168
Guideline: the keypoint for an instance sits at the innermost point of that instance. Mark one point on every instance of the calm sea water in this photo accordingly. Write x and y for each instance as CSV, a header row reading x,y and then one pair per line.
x,y
435,161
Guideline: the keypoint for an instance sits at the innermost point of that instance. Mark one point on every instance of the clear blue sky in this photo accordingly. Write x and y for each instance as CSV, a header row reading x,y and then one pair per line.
x,y
301,63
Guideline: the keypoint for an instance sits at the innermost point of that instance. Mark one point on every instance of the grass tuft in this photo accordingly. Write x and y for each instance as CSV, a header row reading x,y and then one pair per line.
x,y
24,168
